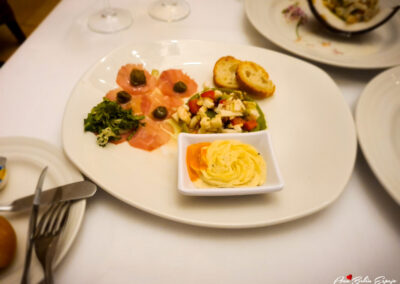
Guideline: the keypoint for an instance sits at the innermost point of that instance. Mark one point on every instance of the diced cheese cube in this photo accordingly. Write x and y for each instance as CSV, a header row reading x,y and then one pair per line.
x,y
193,122
184,114
253,114
217,93
237,127
208,103
175,116
216,122
228,113
202,111
205,123
238,106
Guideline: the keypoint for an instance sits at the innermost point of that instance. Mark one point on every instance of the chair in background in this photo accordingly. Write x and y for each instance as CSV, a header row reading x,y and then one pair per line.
x,y
7,17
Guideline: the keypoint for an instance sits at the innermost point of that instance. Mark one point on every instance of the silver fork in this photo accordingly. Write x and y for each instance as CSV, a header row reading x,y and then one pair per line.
x,y
47,235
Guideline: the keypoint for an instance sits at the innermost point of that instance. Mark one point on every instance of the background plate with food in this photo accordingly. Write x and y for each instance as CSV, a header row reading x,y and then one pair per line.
x,y
291,25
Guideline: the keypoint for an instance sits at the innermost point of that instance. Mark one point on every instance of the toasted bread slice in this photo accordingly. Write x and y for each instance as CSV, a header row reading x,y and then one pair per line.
x,y
225,72
254,79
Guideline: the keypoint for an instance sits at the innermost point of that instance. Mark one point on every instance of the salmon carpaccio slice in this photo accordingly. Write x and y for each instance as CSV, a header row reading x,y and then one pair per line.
x,y
151,136
151,101
170,77
123,80
146,98
124,137
155,133
112,96
145,104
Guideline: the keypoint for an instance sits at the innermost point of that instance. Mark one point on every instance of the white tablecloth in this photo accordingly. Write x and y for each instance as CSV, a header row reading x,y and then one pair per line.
x,y
359,234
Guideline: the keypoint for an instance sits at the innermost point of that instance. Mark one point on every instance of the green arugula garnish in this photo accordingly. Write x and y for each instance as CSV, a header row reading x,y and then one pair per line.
x,y
108,120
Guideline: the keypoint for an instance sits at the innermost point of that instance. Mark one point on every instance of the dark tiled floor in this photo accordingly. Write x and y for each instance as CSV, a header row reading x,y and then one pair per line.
x,y
29,14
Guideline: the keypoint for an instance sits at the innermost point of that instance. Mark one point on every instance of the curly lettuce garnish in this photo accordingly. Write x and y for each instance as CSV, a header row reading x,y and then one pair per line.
x,y
108,120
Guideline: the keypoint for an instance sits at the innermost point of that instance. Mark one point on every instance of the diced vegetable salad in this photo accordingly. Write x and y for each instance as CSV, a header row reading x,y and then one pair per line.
x,y
220,111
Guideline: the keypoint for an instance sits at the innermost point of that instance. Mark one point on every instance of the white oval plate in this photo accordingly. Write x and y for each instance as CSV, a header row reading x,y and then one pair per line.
x,y
309,121
377,49
378,126
26,157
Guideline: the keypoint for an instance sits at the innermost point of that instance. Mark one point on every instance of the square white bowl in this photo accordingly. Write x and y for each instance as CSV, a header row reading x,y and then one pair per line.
x,y
261,140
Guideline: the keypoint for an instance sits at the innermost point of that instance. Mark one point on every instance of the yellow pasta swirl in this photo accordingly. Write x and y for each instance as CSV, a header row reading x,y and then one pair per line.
x,y
231,163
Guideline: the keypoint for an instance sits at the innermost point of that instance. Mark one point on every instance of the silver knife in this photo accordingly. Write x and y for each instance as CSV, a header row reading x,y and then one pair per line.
x,y
32,226
73,191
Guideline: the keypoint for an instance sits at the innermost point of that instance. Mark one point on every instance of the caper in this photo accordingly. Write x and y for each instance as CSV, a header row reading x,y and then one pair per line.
x,y
137,77
160,112
180,87
123,97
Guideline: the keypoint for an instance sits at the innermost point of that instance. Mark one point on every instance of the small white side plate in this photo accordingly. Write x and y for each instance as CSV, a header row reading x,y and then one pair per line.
x,y
261,140
26,157
378,125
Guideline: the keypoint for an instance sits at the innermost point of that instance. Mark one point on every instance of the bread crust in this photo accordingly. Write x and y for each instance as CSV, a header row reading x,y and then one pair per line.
x,y
254,79
224,72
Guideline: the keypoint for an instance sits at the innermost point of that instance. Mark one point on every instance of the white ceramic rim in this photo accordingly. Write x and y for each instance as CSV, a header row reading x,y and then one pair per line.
x,y
369,143
351,145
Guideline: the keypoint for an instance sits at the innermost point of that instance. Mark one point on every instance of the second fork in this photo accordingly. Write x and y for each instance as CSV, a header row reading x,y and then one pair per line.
x,y
48,233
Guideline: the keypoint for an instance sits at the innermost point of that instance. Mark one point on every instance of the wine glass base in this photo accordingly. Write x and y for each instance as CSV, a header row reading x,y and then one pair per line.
x,y
169,11
110,20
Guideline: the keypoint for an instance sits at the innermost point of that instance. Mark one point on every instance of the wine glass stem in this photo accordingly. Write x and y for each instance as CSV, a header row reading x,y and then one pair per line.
x,y
108,10
168,2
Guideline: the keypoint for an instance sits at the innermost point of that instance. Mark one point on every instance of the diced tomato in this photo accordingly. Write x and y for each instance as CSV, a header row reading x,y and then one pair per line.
x,y
193,106
250,125
208,94
221,101
237,120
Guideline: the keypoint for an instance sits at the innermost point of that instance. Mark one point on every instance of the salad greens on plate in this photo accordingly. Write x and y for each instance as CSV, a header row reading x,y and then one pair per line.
x,y
108,120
